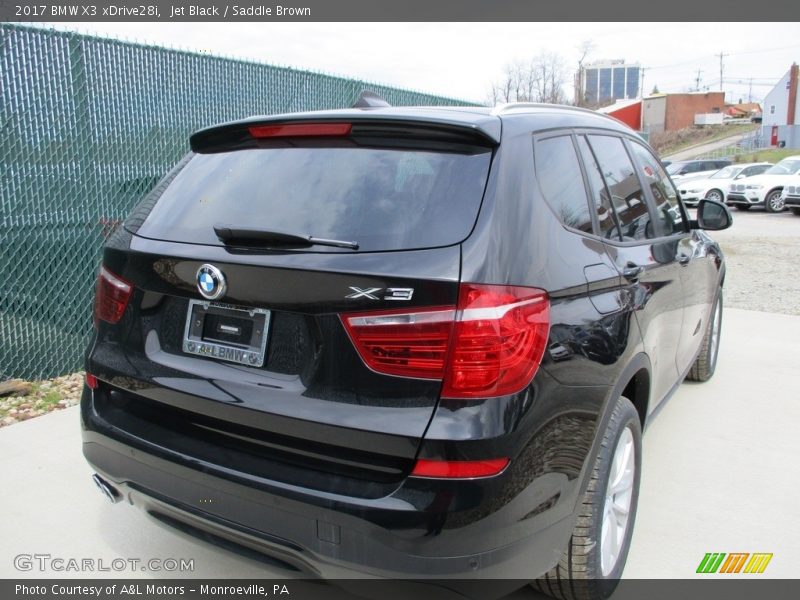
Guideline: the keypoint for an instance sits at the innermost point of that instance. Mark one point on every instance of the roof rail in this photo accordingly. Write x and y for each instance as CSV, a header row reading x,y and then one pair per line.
x,y
501,109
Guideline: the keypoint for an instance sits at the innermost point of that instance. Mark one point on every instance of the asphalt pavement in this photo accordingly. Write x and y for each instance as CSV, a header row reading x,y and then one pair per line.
x,y
720,474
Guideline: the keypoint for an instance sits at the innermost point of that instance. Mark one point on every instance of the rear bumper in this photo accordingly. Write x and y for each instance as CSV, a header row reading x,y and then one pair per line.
x,y
413,533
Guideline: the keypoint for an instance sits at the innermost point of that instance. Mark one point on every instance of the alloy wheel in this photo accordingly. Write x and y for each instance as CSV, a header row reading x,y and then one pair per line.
x,y
617,504
775,201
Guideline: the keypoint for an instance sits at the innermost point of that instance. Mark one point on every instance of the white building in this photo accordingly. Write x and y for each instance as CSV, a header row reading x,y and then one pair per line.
x,y
782,112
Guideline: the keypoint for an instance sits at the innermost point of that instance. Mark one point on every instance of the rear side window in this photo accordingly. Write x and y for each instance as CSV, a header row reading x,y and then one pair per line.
x,y
627,196
559,174
383,199
754,170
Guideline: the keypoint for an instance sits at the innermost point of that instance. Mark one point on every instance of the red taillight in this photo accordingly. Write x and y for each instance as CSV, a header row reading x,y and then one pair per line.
x,y
499,340
301,130
91,381
489,345
111,297
459,469
408,344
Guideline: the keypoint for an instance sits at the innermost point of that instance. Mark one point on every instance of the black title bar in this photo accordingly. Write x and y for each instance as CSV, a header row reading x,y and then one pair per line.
x,y
398,10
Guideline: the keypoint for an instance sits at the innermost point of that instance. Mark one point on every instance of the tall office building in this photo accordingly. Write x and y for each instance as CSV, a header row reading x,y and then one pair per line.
x,y
610,80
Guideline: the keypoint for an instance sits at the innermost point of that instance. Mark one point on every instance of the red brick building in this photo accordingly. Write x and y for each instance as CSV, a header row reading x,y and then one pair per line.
x,y
681,108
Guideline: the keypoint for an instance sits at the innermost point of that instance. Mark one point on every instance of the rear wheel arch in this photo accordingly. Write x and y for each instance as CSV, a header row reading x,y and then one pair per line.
x,y
637,391
634,384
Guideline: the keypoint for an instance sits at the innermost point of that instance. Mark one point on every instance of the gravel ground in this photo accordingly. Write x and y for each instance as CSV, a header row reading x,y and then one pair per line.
x,y
761,251
44,397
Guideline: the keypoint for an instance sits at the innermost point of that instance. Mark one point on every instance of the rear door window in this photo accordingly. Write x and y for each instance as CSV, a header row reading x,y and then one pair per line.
x,y
383,199
627,196
606,218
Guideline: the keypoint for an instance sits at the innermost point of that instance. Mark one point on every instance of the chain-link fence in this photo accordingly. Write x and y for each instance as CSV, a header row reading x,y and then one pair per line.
x,y
87,125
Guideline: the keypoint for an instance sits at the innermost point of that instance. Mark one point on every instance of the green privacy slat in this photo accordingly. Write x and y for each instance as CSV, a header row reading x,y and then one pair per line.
x,y
87,125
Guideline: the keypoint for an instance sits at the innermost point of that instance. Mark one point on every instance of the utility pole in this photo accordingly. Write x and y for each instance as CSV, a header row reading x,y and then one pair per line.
x,y
697,81
750,94
721,56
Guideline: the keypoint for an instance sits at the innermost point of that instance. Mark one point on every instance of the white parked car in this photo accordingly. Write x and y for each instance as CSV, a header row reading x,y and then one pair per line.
x,y
765,189
791,194
715,187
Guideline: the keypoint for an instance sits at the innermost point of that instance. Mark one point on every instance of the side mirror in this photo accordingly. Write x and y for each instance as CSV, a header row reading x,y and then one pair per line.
x,y
712,216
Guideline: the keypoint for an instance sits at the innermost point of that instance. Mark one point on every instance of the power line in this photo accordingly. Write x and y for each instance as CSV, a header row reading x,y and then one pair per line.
x,y
765,50
707,56
688,62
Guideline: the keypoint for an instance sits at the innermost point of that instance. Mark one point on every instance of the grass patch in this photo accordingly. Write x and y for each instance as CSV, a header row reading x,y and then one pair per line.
x,y
49,400
768,155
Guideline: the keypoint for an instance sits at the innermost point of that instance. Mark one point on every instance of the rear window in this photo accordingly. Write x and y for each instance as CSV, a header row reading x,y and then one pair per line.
x,y
383,199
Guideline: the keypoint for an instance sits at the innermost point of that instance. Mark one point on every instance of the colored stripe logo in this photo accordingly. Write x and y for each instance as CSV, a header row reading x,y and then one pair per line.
x,y
734,562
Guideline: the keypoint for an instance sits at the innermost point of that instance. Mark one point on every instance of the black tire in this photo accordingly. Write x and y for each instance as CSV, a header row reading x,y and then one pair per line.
x,y
706,363
715,195
579,575
743,206
796,211
773,202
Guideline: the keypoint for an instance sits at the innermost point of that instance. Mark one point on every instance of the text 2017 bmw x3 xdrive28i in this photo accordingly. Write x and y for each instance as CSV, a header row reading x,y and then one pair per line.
x,y
407,342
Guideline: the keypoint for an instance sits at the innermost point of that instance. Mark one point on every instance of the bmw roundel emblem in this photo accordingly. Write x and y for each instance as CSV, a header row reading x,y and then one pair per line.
x,y
211,282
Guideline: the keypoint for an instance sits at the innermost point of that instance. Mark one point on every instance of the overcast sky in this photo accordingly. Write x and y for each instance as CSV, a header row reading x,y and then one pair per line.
x,y
462,59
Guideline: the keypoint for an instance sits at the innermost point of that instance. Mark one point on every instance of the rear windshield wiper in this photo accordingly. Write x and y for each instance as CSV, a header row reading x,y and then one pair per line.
x,y
234,235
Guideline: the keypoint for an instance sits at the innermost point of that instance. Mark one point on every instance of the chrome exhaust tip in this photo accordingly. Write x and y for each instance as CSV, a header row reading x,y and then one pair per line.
x,y
111,494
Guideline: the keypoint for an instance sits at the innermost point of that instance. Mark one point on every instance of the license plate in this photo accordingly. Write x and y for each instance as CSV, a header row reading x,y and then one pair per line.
x,y
226,332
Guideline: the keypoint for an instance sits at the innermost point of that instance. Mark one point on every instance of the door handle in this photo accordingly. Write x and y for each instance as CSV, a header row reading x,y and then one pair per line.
x,y
632,271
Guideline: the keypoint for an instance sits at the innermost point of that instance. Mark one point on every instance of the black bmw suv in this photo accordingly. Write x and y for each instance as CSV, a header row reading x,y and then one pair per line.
x,y
407,342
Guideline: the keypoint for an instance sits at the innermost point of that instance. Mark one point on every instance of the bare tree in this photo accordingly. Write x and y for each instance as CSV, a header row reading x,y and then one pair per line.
x,y
539,80
584,49
548,78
